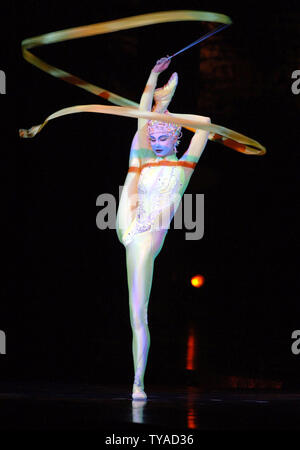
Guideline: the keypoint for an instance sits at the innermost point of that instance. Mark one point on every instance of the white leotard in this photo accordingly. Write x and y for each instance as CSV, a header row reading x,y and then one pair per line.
x,y
158,188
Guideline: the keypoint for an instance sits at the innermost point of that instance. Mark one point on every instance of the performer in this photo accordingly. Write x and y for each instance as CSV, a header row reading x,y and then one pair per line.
x,y
154,185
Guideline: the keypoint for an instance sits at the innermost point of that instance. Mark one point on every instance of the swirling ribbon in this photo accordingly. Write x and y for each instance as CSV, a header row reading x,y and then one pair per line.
x,y
126,107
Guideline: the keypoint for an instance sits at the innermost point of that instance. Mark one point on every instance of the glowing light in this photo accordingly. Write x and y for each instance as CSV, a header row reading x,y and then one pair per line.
x,y
191,418
190,357
191,410
197,281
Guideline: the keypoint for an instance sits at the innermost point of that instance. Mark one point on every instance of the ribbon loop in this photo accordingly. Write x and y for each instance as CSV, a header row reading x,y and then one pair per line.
x,y
126,107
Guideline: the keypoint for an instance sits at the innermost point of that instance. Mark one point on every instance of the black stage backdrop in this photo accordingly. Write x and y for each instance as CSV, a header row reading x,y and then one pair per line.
x,y
67,316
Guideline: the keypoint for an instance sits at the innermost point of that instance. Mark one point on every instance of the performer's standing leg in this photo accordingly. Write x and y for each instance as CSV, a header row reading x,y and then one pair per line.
x,y
140,265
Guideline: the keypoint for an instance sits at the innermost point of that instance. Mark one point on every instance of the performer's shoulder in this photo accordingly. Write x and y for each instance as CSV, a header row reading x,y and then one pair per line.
x,y
187,167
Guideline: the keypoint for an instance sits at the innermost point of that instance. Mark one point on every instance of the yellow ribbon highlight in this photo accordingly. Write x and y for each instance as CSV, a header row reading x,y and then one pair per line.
x,y
126,107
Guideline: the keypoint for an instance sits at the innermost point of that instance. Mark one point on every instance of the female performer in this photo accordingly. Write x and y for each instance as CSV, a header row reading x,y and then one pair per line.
x,y
155,183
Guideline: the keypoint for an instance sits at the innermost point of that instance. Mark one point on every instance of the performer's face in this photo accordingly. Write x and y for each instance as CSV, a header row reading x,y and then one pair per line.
x,y
162,143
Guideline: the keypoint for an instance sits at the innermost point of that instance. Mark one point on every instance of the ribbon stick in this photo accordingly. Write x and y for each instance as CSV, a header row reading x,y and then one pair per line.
x,y
207,35
126,107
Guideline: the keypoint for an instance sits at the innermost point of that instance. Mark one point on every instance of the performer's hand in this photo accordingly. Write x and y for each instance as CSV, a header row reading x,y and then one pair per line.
x,y
161,65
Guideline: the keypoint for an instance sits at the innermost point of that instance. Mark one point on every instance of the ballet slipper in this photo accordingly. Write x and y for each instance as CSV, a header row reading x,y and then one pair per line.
x,y
163,96
138,393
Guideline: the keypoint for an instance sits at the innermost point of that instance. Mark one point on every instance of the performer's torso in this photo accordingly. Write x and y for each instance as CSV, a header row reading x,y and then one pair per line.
x,y
158,187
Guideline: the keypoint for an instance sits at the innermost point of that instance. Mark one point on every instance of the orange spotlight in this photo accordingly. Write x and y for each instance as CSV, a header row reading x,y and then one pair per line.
x,y
197,281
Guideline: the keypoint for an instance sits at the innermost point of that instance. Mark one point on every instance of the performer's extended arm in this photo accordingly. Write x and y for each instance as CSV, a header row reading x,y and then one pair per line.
x,y
147,97
140,147
198,141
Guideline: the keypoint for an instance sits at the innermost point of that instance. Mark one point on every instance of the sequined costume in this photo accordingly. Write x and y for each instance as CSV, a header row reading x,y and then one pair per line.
x,y
159,193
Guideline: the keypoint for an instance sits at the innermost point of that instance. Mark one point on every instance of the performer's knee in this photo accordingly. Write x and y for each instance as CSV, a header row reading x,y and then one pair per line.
x,y
138,319
142,250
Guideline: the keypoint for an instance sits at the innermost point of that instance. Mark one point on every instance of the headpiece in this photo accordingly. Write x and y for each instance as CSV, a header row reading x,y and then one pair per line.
x,y
164,127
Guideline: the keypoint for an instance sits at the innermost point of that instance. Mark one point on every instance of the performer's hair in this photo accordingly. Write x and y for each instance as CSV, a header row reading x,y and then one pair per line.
x,y
177,142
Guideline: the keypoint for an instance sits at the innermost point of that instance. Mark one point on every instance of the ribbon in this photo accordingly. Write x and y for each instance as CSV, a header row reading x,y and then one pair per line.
x,y
126,107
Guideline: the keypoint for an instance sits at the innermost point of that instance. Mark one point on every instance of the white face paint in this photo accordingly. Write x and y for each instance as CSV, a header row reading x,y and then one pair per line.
x,y
162,143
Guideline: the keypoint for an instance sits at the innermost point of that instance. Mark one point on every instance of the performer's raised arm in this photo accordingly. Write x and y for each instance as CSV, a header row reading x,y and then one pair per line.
x,y
141,147
198,141
147,96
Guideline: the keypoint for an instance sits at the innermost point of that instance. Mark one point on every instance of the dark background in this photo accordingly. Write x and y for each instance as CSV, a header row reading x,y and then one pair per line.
x,y
66,316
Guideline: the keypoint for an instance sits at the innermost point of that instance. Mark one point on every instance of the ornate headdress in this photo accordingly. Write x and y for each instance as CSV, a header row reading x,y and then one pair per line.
x,y
162,98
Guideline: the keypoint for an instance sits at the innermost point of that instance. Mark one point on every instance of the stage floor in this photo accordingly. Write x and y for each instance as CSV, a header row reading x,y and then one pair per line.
x,y
59,406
